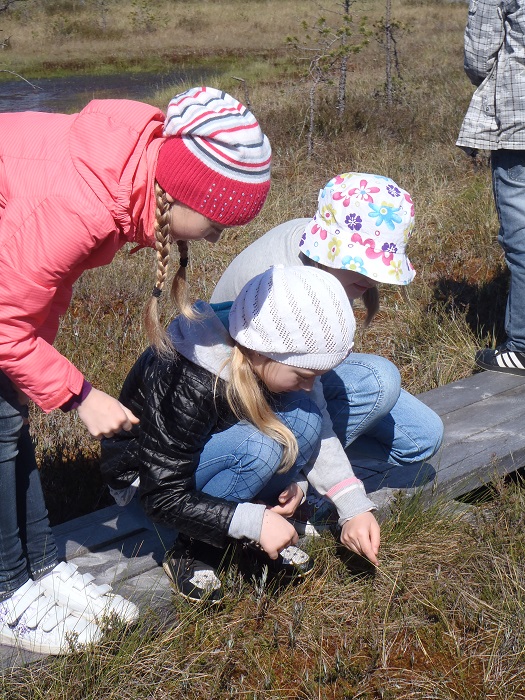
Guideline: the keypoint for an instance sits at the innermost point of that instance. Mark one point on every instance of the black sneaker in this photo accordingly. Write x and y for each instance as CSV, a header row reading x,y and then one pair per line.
x,y
502,360
292,562
191,567
316,515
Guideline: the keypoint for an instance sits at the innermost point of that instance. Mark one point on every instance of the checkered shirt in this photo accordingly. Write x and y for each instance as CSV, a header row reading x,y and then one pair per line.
x,y
495,62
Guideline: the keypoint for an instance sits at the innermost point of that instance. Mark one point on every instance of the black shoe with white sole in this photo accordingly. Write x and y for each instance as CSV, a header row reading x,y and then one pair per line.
x,y
191,567
502,360
292,562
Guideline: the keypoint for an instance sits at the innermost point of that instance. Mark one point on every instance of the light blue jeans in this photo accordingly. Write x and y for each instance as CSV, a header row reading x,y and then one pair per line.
x,y
371,415
27,544
508,181
241,463
374,417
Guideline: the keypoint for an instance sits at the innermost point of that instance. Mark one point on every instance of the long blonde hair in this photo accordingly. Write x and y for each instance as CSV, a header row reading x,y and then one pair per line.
x,y
246,396
155,331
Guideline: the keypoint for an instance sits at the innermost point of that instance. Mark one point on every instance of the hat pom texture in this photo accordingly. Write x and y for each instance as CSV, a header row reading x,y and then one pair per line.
x,y
363,223
298,316
215,159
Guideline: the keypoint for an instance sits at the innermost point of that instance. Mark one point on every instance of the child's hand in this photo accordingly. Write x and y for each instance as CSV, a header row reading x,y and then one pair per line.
x,y
361,534
288,499
276,533
104,416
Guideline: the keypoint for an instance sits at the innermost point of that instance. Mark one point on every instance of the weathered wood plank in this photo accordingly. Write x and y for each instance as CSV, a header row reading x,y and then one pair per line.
x,y
468,391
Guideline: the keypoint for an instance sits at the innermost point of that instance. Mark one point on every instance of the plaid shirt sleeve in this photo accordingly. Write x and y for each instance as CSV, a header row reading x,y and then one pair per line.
x,y
495,61
484,36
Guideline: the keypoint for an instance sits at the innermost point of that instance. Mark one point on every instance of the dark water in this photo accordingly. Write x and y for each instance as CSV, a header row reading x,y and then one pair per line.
x,y
72,93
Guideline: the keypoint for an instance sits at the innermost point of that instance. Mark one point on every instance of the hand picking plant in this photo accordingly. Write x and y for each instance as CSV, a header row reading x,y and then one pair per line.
x,y
326,46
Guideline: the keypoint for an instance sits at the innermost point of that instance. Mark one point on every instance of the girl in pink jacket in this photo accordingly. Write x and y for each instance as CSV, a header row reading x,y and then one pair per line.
x,y
73,190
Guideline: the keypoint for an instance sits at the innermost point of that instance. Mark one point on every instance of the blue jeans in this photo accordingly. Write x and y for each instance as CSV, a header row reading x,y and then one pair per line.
x,y
508,181
241,463
374,417
27,545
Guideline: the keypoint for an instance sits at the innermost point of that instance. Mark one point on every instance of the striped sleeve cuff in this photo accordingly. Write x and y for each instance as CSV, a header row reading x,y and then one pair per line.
x,y
350,499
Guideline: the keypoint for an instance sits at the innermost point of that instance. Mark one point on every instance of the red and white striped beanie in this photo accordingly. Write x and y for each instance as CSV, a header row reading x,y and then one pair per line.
x,y
215,159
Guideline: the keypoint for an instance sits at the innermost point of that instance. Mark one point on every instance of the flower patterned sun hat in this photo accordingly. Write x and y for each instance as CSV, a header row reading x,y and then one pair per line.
x,y
363,223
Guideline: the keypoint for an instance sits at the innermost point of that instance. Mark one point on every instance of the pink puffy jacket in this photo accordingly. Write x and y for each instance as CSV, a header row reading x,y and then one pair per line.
x,y
73,190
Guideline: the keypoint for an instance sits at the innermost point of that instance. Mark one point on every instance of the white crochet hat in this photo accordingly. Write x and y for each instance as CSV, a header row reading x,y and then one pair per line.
x,y
298,316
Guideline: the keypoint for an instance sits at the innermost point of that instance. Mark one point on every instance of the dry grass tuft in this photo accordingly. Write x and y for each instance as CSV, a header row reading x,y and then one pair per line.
x,y
441,617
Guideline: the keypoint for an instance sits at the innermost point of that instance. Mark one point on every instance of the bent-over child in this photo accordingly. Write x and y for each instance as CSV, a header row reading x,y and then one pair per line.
x,y
74,189
229,437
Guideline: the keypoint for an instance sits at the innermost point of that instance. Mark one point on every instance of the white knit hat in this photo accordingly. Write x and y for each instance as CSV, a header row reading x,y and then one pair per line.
x,y
298,316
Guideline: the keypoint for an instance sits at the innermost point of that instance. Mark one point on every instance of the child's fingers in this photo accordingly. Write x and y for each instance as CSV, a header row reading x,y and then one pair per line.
x,y
133,420
368,550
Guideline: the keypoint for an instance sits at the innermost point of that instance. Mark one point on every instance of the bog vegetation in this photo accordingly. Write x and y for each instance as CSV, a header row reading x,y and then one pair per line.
x,y
430,623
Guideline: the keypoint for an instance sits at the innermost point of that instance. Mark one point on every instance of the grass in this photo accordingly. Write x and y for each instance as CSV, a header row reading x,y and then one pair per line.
x,y
443,615
441,618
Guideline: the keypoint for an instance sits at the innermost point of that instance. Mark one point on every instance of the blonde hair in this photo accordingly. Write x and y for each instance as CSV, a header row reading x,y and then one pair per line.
x,y
155,331
246,396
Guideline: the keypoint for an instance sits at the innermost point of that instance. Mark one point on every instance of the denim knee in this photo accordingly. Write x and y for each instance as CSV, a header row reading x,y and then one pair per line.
x,y
253,464
303,417
370,380
431,435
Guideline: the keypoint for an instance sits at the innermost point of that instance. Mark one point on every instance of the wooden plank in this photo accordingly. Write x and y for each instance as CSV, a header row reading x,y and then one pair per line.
x,y
485,415
96,529
466,392
104,527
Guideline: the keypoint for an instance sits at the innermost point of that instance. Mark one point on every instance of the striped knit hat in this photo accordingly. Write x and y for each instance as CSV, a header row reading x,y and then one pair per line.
x,y
215,159
299,316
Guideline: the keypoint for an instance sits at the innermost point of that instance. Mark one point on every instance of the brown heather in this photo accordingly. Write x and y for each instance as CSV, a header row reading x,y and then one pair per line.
x,y
443,616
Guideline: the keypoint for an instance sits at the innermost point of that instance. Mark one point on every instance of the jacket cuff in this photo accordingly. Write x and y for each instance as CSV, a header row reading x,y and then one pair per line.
x,y
76,400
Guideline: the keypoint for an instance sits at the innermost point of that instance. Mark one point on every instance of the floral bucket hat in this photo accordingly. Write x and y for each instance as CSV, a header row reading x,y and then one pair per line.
x,y
362,223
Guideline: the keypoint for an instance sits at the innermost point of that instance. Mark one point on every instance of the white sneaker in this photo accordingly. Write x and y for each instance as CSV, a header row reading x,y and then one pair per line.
x,y
81,596
29,620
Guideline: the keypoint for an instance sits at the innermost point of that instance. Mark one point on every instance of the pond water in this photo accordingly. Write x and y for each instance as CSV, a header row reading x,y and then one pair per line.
x,y
72,93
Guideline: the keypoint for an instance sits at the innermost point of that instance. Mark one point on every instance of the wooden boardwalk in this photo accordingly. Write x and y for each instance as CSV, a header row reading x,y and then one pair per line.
x,y
484,417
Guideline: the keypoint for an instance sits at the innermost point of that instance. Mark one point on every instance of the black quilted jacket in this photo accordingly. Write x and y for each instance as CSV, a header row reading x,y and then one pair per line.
x,y
178,411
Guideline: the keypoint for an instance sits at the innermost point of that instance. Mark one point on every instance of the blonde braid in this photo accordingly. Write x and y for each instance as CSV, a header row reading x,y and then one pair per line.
x,y
179,286
155,331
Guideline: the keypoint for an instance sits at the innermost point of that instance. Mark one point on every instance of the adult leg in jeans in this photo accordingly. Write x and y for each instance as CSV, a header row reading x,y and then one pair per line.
x,y
508,179
27,546
374,418
240,464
